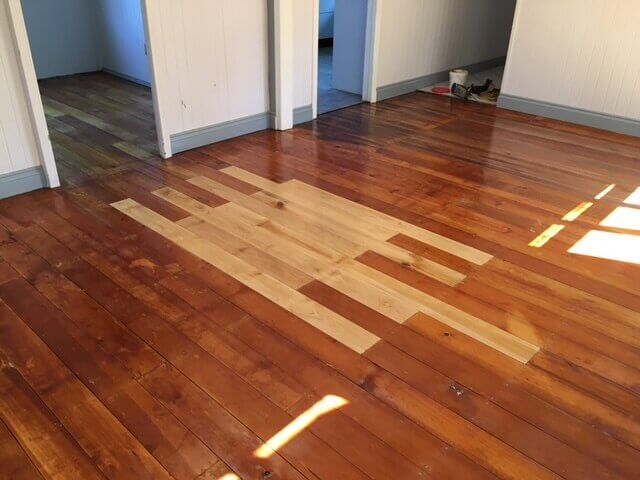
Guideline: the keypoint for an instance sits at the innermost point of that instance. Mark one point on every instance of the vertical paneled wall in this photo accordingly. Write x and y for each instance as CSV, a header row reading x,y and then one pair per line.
x,y
302,52
579,53
422,37
211,61
17,140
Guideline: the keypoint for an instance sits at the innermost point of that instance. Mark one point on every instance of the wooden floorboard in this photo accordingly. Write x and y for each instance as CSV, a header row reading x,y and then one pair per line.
x,y
195,317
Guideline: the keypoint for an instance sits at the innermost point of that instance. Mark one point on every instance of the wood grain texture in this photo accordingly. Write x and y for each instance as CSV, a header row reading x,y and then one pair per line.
x,y
380,254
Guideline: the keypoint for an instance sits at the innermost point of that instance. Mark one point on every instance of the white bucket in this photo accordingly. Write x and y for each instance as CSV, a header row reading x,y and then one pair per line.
x,y
458,76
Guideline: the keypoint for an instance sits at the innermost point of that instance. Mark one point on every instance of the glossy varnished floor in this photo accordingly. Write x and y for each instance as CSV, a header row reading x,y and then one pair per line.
x,y
353,299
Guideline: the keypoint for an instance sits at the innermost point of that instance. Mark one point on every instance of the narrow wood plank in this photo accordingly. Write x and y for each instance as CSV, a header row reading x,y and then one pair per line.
x,y
382,293
175,447
48,444
302,192
318,316
340,232
573,401
15,462
114,450
467,375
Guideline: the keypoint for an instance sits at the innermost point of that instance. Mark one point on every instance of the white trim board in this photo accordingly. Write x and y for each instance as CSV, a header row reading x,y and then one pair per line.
x,y
283,63
157,89
34,101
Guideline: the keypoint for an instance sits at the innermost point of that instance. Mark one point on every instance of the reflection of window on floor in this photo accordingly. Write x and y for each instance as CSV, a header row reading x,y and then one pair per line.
x,y
612,246
623,247
634,198
301,422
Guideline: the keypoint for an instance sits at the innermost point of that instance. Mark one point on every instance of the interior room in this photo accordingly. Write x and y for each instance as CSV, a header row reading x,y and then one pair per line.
x,y
218,279
94,77
341,53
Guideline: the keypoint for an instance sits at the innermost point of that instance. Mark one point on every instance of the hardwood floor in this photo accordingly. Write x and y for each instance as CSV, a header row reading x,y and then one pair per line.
x,y
356,298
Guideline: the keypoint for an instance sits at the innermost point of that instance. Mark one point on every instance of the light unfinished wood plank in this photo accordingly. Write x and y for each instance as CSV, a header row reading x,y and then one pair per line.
x,y
302,192
468,324
233,244
380,292
306,309
336,231
343,225
268,264
313,259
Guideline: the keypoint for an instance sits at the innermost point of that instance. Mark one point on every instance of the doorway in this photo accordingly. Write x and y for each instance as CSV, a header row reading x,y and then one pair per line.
x,y
478,61
341,44
94,76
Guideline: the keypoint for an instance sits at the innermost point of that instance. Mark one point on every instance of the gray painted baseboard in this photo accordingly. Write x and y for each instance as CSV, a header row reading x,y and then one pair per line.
x,y
126,77
408,86
199,137
302,114
22,181
570,114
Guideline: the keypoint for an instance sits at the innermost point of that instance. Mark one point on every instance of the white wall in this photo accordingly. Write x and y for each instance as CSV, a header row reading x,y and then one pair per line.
x,y
579,53
350,25
210,60
302,52
124,39
422,37
77,36
65,36
17,140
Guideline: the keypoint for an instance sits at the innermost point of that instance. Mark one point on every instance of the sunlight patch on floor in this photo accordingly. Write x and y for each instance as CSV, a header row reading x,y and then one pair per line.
x,y
544,237
612,246
623,217
634,198
576,212
605,192
284,436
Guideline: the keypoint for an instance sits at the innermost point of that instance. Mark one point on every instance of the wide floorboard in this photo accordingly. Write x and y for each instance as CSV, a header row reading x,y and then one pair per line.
x,y
422,288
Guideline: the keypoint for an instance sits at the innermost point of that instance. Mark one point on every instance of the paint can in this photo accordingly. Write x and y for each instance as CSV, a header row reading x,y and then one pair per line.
x,y
458,76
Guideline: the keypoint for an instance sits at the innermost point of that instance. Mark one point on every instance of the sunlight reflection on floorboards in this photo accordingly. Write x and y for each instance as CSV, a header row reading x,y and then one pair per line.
x,y
611,246
284,436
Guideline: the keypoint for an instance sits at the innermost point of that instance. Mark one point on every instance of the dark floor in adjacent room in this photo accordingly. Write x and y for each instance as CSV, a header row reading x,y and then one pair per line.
x,y
99,124
329,98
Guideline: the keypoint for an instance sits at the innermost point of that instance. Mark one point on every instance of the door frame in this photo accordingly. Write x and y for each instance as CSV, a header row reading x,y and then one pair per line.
x,y
34,99
369,93
283,68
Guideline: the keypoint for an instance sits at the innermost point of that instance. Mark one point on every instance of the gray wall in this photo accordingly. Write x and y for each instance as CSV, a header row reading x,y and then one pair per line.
x,y
64,35
350,26
124,39
77,36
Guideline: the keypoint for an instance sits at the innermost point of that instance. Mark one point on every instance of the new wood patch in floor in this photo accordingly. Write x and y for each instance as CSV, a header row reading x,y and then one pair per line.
x,y
284,236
